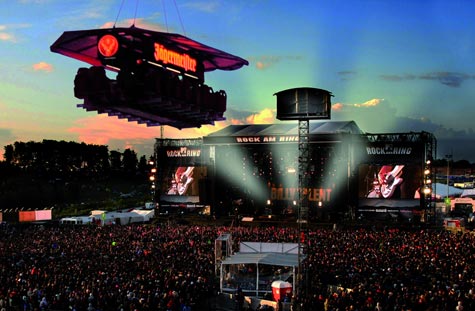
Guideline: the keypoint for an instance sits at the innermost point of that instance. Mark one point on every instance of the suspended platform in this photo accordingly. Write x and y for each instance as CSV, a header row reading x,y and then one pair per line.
x,y
160,76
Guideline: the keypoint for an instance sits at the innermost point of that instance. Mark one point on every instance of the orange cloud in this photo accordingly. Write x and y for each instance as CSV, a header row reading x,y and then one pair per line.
x,y
100,129
4,36
260,65
266,116
337,106
264,62
42,66
370,103
236,122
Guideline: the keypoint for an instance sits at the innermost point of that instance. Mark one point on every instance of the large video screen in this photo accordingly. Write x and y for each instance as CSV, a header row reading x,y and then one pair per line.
x,y
181,184
389,185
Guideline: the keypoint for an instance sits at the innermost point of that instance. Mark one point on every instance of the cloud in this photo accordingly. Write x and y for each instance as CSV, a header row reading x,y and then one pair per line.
x,y
337,106
42,66
347,74
103,130
370,103
7,32
451,79
6,36
264,62
265,116
397,77
378,116
120,134
100,129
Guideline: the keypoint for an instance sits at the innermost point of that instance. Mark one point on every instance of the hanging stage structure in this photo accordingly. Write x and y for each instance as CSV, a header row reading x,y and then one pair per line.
x,y
160,76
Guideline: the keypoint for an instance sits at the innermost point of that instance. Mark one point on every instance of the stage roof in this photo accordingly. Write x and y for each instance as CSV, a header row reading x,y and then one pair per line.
x,y
231,133
274,259
82,45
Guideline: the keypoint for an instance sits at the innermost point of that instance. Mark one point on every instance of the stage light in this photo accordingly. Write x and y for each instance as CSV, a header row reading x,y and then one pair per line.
x,y
427,190
427,172
152,178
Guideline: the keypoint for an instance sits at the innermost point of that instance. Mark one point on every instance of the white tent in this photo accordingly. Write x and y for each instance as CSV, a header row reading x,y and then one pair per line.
x,y
470,193
123,218
254,271
441,191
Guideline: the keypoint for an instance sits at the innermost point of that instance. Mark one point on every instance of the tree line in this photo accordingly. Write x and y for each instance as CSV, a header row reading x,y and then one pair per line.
x,y
60,173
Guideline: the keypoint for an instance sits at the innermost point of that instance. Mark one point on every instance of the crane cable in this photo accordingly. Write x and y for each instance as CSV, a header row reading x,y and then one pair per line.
x,y
164,14
179,17
118,13
120,10
135,13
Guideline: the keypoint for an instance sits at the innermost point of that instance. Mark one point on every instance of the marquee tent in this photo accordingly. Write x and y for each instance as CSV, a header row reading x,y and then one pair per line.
x,y
254,271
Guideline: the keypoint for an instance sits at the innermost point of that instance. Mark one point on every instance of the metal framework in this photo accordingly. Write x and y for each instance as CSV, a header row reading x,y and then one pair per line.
x,y
170,142
430,151
303,202
401,137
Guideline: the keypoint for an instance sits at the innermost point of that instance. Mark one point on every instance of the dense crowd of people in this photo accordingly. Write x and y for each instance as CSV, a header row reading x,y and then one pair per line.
x,y
172,267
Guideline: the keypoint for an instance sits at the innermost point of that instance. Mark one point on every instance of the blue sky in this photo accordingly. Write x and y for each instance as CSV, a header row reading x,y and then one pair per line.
x,y
392,66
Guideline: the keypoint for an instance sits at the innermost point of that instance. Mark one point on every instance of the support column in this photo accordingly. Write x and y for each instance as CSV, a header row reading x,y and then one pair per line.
x,y
303,207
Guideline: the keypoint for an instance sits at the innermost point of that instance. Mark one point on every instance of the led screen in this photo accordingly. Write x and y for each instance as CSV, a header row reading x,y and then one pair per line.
x,y
181,184
389,185
183,181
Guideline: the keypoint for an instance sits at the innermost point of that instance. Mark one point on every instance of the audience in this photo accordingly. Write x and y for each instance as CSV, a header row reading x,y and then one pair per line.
x,y
172,267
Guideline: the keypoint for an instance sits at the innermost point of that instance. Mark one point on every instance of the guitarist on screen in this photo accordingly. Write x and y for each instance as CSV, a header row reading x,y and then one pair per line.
x,y
387,181
181,181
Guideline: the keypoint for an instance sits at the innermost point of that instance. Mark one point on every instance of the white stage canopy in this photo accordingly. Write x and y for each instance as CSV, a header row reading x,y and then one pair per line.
x,y
257,265
274,259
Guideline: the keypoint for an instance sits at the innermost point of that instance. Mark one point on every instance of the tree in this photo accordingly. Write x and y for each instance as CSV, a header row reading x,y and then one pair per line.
x,y
129,161
115,161
8,155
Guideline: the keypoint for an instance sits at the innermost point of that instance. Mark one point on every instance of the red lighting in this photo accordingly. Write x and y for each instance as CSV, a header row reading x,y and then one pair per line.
x,y
108,45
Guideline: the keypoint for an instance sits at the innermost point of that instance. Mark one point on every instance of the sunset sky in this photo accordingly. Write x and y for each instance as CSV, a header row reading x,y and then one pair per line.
x,y
392,66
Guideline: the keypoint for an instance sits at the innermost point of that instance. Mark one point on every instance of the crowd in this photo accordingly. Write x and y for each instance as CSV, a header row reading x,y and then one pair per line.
x,y
172,267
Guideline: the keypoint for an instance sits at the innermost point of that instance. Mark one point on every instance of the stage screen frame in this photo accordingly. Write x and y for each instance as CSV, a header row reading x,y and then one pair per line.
x,y
388,188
